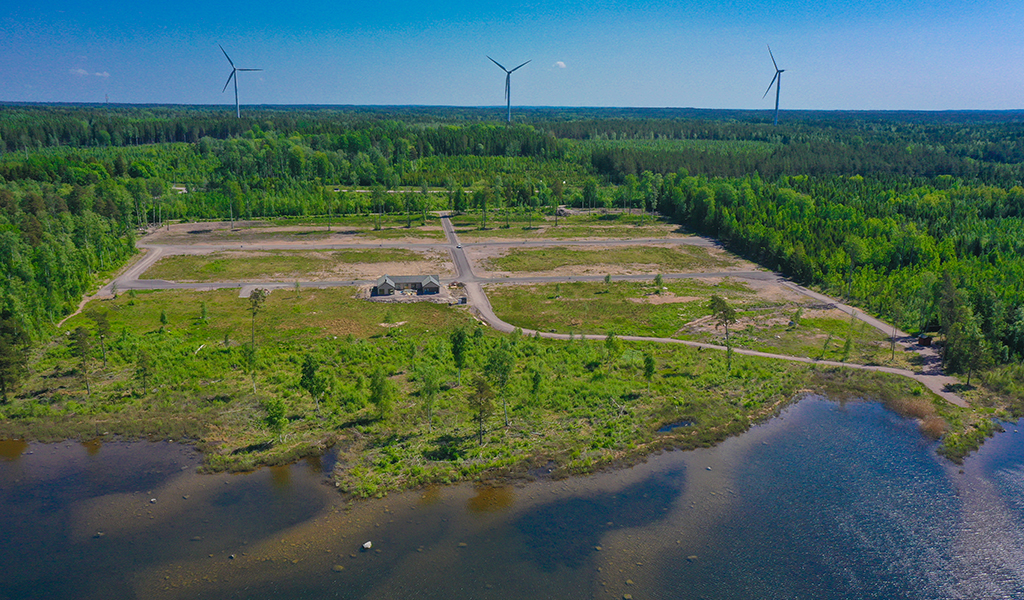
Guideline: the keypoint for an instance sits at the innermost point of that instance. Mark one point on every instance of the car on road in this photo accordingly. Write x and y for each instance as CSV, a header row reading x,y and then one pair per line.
x,y
458,245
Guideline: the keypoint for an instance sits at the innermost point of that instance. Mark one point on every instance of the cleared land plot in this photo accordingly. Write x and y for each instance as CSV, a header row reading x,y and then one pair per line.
x,y
352,230
304,265
606,260
767,316
585,226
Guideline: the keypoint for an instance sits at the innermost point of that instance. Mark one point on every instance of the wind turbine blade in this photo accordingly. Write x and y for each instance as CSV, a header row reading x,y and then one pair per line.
x,y
228,82
508,86
770,85
226,55
249,69
773,58
522,65
498,63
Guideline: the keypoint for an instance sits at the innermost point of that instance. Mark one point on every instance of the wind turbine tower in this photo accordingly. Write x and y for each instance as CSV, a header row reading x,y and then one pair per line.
x,y
776,81
233,75
508,84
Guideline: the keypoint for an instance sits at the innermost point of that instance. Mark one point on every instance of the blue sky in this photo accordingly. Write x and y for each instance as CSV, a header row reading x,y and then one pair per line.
x,y
847,54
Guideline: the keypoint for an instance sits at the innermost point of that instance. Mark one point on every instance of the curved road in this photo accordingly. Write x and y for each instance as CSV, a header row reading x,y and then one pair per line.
x,y
129,279
479,301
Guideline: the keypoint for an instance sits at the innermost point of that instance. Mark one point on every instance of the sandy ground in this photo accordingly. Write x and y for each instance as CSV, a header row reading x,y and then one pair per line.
x,y
480,258
246,232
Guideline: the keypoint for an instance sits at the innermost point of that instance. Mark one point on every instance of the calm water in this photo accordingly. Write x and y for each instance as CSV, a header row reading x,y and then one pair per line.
x,y
826,501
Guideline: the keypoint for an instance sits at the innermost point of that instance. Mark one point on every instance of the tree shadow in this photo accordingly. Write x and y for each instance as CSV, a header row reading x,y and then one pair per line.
x,y
447,447
360,421
957,388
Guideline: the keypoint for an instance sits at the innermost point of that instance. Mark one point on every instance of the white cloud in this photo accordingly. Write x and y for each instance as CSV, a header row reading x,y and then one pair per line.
x,y
80,72
560,64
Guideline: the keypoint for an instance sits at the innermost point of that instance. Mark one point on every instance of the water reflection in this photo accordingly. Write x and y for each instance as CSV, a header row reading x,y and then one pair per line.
x,y
567,532
430,495
93,446
314,464
12,449
491,499
280,477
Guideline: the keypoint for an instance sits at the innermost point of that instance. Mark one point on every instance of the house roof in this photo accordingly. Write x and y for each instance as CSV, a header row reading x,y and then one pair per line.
x,y
423,280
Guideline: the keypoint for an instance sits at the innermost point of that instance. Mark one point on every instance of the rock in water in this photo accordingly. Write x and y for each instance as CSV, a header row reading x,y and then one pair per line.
x,y
367,545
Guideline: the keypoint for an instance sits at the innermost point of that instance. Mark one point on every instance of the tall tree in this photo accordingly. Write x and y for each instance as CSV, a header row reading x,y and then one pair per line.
x,y
102,331
382,393
724,315
649,367
500,364
257,298
481,402
313,380
613,345
429,378
143,369
460,343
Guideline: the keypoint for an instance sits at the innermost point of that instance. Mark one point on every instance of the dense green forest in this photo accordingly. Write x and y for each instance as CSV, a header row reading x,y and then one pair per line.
x,y
915,216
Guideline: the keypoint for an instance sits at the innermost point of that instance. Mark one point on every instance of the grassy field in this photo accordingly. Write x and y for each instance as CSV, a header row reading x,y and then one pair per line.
x,y
279,265
582,404
653,258
682,312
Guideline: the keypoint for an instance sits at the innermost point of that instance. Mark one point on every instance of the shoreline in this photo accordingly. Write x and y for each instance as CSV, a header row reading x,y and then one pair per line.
x,y
554,464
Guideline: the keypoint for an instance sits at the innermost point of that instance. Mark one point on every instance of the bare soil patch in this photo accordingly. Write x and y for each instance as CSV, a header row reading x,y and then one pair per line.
x,y
291,265
481,259
182,234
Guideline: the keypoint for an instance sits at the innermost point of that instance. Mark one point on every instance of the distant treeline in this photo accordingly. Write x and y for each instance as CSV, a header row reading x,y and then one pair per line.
x,y
988,153
934,258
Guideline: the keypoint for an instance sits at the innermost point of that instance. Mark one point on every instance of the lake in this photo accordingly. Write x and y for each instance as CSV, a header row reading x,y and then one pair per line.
x,y
827,500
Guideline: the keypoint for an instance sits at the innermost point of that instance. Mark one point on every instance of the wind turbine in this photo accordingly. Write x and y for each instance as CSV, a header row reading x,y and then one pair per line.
x,y
776,81
508,84
234,70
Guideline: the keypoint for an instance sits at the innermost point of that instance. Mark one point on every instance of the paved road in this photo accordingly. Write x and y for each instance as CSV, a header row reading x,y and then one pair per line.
x,y
480,304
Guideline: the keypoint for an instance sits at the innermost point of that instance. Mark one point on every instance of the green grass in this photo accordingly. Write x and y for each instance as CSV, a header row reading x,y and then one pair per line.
x,y
654,258
597,308
284,265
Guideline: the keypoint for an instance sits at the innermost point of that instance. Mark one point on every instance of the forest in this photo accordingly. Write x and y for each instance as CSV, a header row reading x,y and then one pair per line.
x,y
913,216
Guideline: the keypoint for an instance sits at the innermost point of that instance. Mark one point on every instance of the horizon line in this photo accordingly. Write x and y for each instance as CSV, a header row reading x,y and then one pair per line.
x,y
502,107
